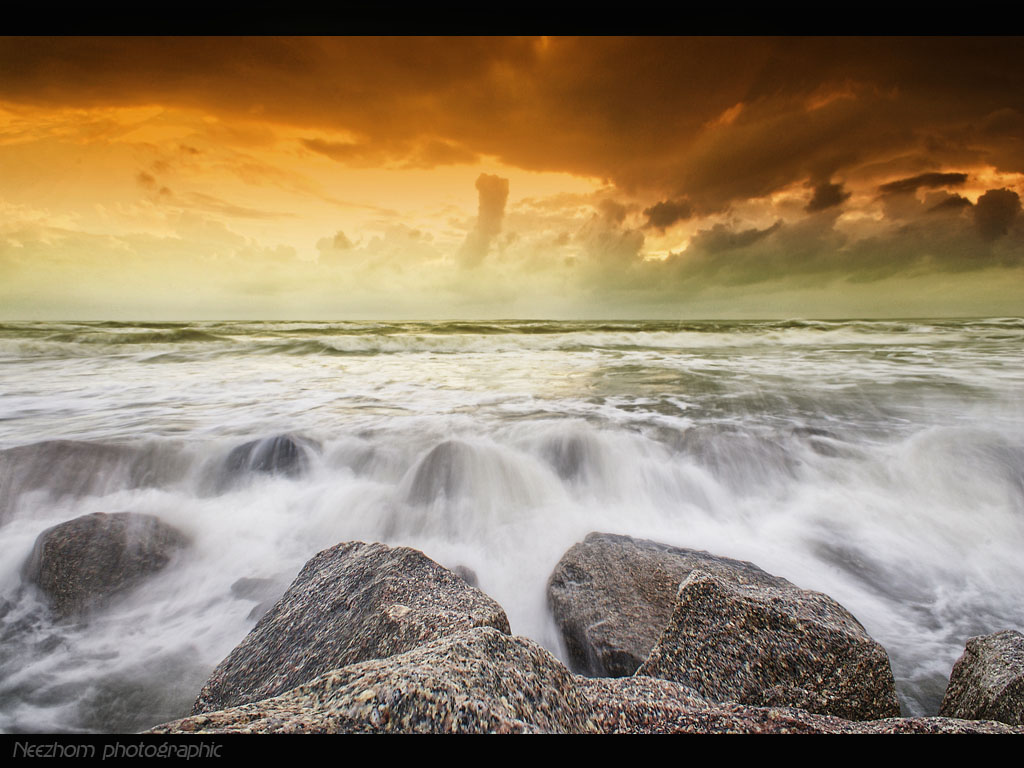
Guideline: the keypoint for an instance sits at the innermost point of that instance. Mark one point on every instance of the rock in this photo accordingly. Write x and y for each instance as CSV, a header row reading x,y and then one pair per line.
x,y
278,455
772,645
72,468
745,461
648,705
475,681
988,680
612,597
484,681
467,574
264,591
82,563
350,603
254,588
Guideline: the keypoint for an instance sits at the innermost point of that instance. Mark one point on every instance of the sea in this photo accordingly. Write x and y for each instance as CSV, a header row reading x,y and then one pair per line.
x,y
879,462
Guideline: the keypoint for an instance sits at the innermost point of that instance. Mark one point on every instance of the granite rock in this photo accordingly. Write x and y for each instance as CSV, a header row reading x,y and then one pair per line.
x,y
772,644
350,603
612,597
81,564
478,680
484,681
988,680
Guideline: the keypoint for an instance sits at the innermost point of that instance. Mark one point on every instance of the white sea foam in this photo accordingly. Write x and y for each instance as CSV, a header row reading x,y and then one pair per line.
x,y
881,463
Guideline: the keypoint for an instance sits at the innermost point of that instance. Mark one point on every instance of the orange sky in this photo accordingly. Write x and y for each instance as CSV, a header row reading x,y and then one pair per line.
x,y
337,178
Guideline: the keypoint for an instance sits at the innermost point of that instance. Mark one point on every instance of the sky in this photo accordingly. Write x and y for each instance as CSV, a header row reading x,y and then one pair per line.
x,y
548,177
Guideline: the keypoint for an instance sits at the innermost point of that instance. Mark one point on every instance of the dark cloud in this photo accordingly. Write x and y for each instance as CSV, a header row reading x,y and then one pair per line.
x,y
711,119
721,238
951,203
906,186
666,213
827,196
995,212
493,193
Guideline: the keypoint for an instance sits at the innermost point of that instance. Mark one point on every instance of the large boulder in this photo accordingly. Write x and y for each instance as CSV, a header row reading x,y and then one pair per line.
x,y
485,681
988,680
81,564
475,681
612,597
772,645
350,603
649,705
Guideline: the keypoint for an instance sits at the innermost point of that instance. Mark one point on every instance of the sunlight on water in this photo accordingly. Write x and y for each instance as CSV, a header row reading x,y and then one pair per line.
x,y
879,462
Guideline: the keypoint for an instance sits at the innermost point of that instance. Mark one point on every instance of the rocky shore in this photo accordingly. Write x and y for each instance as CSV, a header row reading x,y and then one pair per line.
x,y
374,639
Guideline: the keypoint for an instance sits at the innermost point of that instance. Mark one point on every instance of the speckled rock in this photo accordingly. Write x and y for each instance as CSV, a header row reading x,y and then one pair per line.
x,y
641,704
612,597
484,681
467,574
988,680
81,564
476,681
350,603
772,645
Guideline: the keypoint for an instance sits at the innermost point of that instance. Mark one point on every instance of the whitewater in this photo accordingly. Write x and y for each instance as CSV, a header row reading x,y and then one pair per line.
x,y
880,462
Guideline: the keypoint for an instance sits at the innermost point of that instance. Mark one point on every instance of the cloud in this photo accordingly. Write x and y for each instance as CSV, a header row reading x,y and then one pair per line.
x,y
951,203
493,194
765,112
354,153
827,196
368,153
333,247
721,238
906,186
995,212
664,214
613,211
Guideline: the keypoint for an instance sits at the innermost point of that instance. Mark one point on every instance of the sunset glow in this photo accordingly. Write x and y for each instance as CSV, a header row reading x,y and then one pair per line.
x,y
340,178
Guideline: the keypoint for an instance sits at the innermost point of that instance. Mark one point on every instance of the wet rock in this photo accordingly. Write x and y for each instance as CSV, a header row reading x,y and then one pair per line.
x,y
988,680
772,645
612,597
746,462
467,574
81,564
350,603
77,468
253,588
484,681
572,453
264,591
443,472
278,455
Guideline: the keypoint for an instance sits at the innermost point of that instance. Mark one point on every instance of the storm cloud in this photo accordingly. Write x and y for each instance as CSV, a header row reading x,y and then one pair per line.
x,y
827,196
666,213
904,186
